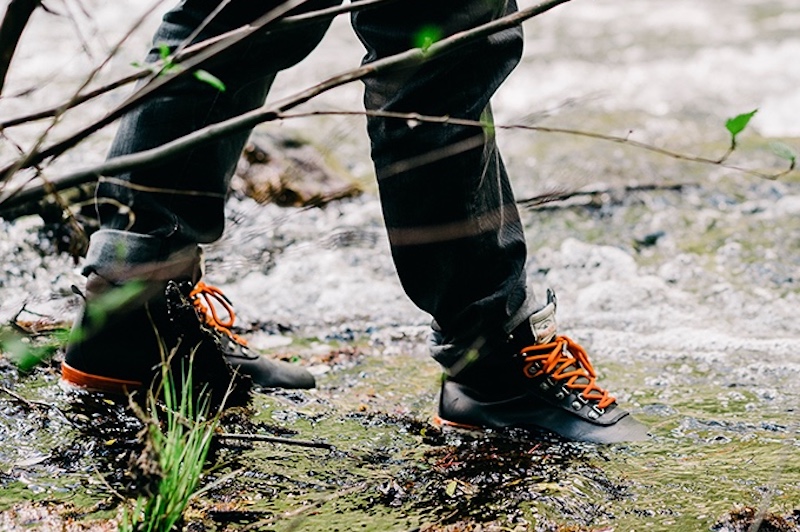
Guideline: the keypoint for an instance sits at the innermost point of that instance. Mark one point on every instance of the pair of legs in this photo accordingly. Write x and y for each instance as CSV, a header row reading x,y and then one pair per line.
x,y
454,230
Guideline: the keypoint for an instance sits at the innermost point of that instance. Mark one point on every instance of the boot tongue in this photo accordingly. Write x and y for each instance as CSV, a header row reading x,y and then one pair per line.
x,y
539,327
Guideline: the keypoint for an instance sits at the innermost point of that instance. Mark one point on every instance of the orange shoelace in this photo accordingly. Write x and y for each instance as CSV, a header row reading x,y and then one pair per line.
x,y
204,298
563,359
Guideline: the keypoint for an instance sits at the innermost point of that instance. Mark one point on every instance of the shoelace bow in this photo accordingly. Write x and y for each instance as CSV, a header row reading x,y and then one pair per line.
x,y
204,297
563,359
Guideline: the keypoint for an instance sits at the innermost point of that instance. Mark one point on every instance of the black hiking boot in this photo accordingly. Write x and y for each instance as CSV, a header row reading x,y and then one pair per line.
x,y
217,332
124,333
546,382
128,328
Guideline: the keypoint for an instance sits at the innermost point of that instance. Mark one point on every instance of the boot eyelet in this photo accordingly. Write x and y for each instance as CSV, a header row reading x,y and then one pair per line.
x,y
532,370
596,412
547,384
562,393
579,402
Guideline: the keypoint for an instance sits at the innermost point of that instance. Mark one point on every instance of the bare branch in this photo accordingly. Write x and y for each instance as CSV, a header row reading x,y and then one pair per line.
x,y
26,158
285,23
277,111
158,79
26,161
180,56
274,439
14,21
31,194
248,120
74,102
718,161
544,201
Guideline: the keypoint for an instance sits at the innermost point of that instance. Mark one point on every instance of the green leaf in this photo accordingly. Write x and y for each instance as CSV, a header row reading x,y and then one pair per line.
x,y
737,124
23,353
426,36
207,77
169,65
783,151
163,51
450,490
487,122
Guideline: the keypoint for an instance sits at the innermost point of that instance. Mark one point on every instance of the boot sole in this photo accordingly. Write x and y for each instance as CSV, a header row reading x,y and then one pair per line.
x,y
96,383
459,428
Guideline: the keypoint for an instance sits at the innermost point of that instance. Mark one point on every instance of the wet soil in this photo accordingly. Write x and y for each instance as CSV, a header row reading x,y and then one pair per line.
x,y
685,295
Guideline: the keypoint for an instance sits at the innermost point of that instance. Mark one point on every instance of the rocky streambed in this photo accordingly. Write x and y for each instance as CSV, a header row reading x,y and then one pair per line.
x,y
681,279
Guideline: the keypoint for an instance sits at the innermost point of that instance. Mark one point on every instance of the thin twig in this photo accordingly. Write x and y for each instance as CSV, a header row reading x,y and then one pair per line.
x,y
16,17
720,161
561,195
32,403
203,25
31,159
108,486
217,482
275,439
82,36
284,24
157,80
81,240
29,403
34,193
74,102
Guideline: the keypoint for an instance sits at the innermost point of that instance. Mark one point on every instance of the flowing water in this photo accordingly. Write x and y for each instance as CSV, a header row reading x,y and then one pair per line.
x,y
685,293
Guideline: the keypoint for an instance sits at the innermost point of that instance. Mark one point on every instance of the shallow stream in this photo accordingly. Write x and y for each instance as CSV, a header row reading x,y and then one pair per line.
x,y
686,295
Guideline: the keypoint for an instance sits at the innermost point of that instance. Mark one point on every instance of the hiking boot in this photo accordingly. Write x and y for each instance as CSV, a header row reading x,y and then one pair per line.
x,y
546,382
136,317
217,332
123,333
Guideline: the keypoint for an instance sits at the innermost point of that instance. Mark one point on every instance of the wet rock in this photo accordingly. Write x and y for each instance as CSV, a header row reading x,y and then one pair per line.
x,y
623,296
748,519
311,267
586,263
660,410
290,173
650,239
46,517
679,268
788,206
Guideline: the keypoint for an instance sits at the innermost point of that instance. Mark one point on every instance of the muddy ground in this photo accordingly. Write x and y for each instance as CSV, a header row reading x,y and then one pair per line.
x,y
686,295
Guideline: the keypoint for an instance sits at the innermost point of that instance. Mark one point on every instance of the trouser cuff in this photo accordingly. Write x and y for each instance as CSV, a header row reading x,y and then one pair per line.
x,y
121,256
456,354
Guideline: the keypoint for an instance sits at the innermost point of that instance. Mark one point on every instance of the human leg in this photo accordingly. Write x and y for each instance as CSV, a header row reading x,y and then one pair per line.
x,y
456,236
153,219
182,200
454,229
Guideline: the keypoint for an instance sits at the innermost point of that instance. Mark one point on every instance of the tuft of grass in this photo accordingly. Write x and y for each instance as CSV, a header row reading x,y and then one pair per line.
x,y
179,433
